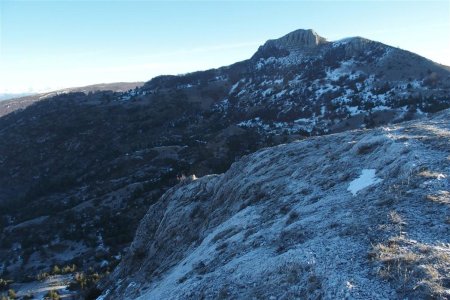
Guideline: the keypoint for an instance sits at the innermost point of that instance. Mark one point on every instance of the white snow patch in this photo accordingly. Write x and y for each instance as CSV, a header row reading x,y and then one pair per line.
x,y
234,87
335,74
342,41
367,178
353,110
281,93
278,81
104,295
441,176
267,92
241,92
381,107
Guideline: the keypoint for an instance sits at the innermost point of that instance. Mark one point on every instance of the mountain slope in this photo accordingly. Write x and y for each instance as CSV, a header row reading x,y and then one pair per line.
x,y
302,84
360,215
97,161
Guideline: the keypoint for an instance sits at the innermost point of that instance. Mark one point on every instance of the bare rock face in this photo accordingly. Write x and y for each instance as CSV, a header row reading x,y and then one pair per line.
x,y
299,39
357,215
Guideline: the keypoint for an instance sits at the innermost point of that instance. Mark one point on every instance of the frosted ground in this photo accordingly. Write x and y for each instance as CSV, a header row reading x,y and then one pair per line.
x,y
356,215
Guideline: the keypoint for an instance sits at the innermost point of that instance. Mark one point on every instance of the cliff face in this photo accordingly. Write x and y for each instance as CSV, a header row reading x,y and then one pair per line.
x,y
360,214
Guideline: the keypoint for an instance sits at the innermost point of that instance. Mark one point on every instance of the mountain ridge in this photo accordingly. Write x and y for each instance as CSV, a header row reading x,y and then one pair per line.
x,y
21,102
98,160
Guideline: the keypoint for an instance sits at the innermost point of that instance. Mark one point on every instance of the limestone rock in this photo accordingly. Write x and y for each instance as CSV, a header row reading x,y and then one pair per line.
x,y
281,223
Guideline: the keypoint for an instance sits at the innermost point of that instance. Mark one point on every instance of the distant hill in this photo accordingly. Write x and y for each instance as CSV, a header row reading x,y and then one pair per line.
x,y
7,96
12,102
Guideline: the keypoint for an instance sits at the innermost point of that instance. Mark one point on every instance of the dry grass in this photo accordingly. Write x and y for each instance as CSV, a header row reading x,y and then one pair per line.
x,y
396,218
431,174
442,197
416,269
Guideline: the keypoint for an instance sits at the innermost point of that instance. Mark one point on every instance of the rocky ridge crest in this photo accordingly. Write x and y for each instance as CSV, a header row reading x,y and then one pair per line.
x,y
360,214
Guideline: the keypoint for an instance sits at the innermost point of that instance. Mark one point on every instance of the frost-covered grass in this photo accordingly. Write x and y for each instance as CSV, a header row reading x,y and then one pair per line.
x,y
414,265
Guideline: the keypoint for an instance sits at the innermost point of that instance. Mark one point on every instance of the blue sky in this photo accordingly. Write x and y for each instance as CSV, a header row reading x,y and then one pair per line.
x,y
46,45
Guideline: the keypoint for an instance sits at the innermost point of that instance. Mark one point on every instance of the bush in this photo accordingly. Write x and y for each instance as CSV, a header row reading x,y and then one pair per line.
x,y
56,270
12,294
52,295
83,281
69,269
42,276
4,284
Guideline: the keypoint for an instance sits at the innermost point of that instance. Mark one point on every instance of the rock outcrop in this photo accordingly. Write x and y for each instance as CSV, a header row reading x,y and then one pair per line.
x,y
358,215
299,39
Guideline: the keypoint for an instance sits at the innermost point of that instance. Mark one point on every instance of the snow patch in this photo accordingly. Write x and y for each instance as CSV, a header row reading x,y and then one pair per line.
x,y
342,41
267,92
367,178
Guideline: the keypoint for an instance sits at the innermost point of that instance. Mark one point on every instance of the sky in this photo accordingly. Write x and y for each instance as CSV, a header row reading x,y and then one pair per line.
x,y
48,45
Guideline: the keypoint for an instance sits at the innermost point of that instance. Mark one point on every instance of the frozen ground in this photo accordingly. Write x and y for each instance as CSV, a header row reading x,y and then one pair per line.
x,y
356,215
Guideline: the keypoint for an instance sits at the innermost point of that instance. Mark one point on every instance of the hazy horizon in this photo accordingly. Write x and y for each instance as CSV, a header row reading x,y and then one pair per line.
x,y
48,45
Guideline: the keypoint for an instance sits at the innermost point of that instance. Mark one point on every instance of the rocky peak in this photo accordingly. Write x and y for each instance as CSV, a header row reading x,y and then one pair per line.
x,y
300,38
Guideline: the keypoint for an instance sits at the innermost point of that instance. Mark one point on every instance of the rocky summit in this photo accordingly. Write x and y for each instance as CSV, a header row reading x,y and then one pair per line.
x,y
297,40
358,215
